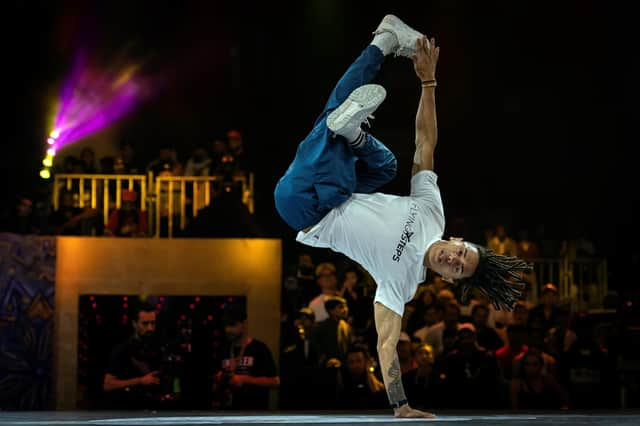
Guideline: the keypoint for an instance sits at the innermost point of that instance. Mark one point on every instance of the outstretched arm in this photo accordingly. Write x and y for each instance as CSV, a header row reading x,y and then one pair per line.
x,y
424,64
388,325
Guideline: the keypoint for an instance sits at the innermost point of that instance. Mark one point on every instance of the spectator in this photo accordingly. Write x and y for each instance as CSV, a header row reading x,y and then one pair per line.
x,y
473,377
433,335
425,298
300,358
164,162
236,148
129,220
248,372
22,220
520,314
328,283
588,369
423,383
487,336
333,336
548,311
536,343
198,164
359,388
501,243
133,375
405,356
128,160
70,220
534,389
517,335
88,160
352,291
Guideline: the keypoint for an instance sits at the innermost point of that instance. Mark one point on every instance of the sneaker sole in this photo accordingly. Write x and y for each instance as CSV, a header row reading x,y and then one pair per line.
x,y
403,32
361,103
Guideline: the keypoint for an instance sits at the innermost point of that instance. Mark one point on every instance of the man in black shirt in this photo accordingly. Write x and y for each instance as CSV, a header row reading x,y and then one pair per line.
x,y
132,379
248,370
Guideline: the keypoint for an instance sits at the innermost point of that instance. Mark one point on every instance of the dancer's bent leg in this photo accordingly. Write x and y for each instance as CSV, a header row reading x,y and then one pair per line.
x,y
375,167
322,174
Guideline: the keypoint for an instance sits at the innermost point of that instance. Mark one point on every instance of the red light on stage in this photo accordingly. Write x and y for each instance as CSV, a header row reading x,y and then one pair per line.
x,y
209,317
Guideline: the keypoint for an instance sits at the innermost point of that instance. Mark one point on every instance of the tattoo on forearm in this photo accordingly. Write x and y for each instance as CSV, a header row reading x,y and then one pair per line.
x,y
395,390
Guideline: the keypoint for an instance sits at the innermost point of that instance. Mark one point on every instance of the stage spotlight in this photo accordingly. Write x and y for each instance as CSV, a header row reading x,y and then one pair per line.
x,y
51,152
55,134
51,141
48,161
45,174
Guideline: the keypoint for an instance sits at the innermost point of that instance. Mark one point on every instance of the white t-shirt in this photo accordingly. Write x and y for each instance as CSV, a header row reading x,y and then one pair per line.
x,y
387,234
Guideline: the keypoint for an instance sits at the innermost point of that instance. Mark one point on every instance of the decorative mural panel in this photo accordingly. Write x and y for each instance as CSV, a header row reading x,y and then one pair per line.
x,y
27,275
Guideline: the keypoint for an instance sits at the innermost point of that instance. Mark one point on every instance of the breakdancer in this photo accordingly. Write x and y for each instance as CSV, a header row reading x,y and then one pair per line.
x,y
328,195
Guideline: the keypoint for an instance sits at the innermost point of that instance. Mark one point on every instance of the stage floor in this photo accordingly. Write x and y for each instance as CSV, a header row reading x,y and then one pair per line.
x,y
119,418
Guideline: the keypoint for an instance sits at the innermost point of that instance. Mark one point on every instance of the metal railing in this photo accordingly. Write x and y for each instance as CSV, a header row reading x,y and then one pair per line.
x,y
577,279
175,198
172,194
93,190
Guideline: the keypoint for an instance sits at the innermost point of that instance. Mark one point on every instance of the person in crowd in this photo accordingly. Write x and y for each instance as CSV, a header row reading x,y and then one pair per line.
x,y
535,390
248,371
129,220
133,377
327,281
423,383
358,386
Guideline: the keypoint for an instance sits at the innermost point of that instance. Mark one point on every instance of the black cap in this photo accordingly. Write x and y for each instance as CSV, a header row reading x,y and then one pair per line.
x,y
234,314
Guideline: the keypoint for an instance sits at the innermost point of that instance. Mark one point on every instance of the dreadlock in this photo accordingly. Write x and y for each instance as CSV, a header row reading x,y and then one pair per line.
x,y
498,277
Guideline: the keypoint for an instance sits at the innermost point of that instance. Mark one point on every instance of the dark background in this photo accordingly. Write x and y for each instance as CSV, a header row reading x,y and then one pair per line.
x,y
534,97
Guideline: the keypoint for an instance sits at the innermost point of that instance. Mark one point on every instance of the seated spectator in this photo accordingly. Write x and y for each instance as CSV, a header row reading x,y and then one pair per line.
x,y
129,220
517,335
405,355
487,336
423,383
358,387
333,336
328,285
548,311
450,320
425,298
300,360
198,164
473,378
588,370
88,160
534,389
70,220
520,315
165,161
536,343
21,220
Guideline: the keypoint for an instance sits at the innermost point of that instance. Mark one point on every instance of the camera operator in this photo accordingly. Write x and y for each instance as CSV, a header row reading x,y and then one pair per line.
x,y
133,375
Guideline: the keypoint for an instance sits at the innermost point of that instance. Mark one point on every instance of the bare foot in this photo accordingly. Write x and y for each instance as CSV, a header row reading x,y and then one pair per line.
x,y
407,412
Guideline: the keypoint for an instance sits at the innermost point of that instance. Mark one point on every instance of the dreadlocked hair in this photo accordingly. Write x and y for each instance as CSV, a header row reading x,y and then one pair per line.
x,y
498,277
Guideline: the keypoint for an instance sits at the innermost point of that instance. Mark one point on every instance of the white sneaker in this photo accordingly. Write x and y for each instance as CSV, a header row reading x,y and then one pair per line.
x,y
406,35
361,103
